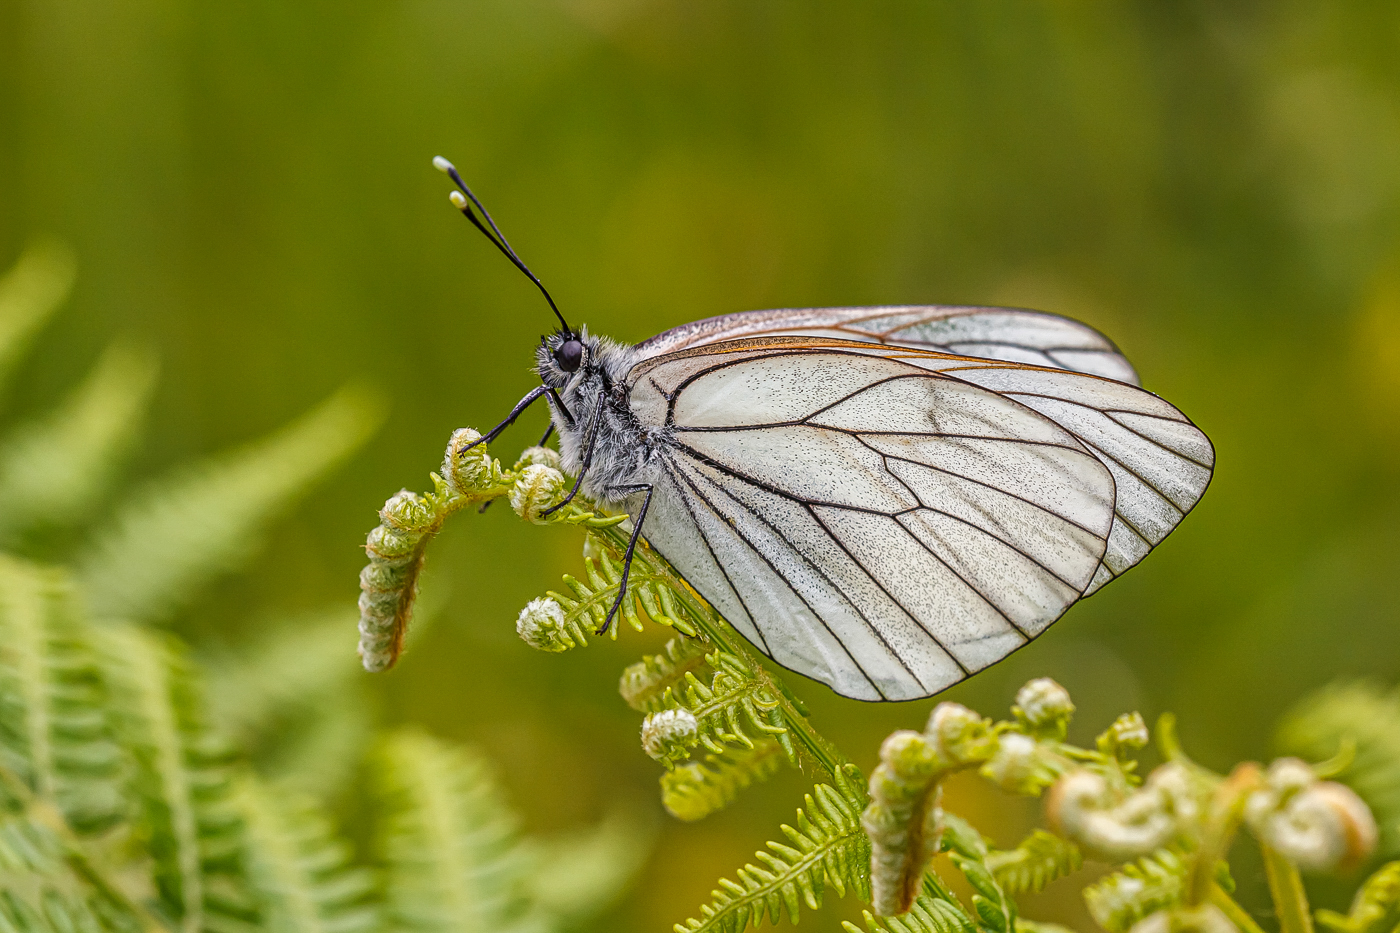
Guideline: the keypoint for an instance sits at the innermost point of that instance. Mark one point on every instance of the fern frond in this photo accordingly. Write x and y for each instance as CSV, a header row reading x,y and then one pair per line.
x,y
294,702
54,733
29,292
993,910
1375,909
182,779
589,602
732,699
935,910
200,522
52,471
299,872
644,684
695,790
454,860
1040,859
827,847
1150,884
577,874
1364,714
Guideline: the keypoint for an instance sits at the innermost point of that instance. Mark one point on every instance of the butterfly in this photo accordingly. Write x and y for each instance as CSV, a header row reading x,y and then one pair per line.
x,y
886,500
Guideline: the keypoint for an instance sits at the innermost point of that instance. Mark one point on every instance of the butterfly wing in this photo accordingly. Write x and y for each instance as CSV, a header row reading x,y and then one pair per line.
x,y
1015,335
889,521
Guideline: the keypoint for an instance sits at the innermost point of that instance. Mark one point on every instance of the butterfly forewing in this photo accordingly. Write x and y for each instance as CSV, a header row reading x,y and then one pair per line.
x,y
878,518
1010,334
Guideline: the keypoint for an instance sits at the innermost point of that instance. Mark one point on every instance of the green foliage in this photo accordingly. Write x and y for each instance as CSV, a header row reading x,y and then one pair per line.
x,y
1376,908
1150,884
587,603
206,520
299,873
935,910
993,909
644,684
1363,715
53,471
1040,859
732,699
827,847
454,859
697,789
577,874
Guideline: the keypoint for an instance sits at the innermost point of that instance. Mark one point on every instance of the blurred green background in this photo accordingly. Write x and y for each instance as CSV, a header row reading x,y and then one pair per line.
x,y
247,189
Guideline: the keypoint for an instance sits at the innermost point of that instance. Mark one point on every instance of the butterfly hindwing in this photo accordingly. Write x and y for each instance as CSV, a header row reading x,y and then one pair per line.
x,y
877,519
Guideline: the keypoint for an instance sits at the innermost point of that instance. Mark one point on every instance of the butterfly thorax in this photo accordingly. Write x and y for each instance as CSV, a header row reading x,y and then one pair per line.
x,y
625,451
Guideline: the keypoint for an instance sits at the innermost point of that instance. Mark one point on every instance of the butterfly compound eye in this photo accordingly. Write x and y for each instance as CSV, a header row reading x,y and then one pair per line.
x,y
569,355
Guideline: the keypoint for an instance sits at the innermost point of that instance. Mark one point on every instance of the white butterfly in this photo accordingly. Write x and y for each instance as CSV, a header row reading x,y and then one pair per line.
x,y
883,499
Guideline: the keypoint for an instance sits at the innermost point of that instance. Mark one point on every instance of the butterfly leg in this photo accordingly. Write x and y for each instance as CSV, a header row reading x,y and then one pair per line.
x,y
520,406
637,521
588,445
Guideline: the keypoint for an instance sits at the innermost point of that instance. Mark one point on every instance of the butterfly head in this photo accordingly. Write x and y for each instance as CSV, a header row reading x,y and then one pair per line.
x,y
562,355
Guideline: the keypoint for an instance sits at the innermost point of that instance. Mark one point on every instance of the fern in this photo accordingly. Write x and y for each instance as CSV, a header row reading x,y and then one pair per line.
x,y
182,780
1376,908
993,911
294,702
205,520
1040,859
1146,886
733,698
51,472
1364,714
31,291
54,733
695,790
299,873
588,603
935,910
644,684
827,847
454,860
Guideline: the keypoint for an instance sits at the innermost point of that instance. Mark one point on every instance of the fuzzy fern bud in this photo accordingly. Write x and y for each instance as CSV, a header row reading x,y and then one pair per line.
x,y
537,488
1128,733
1082,807
408,514
1319,825
960,735
538,456
541,625
467,471
1019,766
669,735
1045,707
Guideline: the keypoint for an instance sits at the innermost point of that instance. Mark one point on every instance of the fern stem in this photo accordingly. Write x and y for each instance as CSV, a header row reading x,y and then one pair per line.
x,y
1231,908
1286,886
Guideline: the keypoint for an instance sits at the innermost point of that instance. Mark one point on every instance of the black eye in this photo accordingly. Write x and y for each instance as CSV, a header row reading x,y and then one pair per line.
x,y
569,355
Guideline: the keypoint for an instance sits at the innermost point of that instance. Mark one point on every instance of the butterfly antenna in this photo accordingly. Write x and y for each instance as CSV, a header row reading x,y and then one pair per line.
x,y
464,204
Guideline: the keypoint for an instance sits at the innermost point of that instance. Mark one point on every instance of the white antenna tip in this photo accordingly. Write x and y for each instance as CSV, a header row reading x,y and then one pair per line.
x,y
458,200
441,164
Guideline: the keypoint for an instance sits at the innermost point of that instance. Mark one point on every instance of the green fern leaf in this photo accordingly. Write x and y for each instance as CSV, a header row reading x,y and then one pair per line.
x,y
1148,885
935,910
54,734
827,847
644,684
992,908
588,603
53,471
203,521
299,873
454,859
182,780
1375,909
733,699
1363,713
695,790
1040,859
29,292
